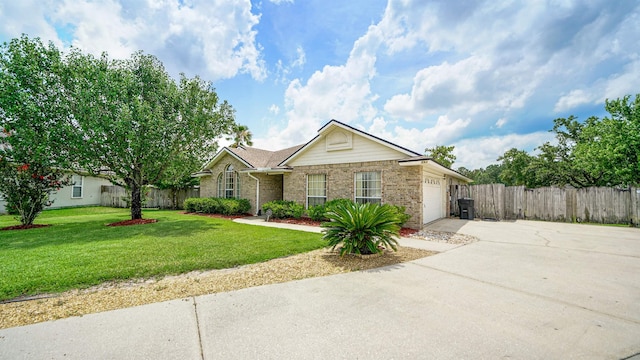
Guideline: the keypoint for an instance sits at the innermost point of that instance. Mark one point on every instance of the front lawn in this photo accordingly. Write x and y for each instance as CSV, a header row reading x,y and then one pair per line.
x,y
79,251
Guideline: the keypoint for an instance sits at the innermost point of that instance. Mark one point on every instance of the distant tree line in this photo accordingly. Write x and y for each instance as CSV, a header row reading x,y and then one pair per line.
x,y
596,152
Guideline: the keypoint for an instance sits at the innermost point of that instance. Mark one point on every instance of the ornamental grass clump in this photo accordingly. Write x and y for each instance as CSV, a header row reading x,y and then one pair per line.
x,y
361,228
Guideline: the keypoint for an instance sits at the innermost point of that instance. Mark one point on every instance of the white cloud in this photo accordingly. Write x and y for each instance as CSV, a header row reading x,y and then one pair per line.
x,y
280,2
13,20
284,71
213,39
488,60
336,92
501,122
302,58
441,133
573,99
474,153
95,34
274,109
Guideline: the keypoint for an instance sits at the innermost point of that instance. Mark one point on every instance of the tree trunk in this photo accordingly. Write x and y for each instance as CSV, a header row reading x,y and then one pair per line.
x,y
136,202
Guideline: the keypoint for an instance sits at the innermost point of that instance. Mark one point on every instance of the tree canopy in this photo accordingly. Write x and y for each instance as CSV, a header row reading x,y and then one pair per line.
x,y
135,124
126,120
32,103
442,154
596,152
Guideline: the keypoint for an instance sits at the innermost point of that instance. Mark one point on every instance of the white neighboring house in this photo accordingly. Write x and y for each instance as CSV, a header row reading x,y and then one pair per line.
x,y
85,190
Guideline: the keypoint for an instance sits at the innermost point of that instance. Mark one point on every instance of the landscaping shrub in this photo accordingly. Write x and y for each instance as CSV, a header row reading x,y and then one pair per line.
x,y
234,206
217,206
318,212
361,228
400,213
282,209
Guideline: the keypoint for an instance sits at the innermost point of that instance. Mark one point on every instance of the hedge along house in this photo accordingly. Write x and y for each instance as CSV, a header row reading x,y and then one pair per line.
x,y
340,162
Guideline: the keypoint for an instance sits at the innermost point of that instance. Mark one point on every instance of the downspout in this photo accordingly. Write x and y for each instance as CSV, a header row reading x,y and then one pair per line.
x,y
257,192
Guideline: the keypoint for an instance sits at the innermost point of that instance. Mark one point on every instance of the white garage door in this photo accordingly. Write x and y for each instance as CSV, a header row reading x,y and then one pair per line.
x,y
431,199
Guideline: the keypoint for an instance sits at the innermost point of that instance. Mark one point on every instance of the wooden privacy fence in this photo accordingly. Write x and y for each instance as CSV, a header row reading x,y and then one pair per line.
x,y
117,196
605,205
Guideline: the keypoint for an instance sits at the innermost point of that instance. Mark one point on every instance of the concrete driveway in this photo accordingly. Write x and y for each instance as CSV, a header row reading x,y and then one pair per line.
x,y
527,290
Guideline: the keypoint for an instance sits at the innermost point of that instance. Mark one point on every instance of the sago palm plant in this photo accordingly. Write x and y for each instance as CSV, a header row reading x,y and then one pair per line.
x,y
361,228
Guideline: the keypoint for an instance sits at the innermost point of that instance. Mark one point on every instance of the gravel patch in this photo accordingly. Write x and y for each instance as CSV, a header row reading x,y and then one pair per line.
x,y
444,237
118,295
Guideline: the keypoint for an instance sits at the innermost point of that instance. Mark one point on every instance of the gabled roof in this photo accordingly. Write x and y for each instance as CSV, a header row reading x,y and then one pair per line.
x,y
253,158
259,158
335,123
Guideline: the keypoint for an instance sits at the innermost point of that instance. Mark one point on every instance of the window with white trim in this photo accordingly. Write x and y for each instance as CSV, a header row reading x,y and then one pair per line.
x,y
220,185
229,183
368,186
76,187
316,189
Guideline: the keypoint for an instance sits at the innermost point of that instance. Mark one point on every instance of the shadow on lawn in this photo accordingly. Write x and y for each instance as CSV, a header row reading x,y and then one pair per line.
x,y
98,231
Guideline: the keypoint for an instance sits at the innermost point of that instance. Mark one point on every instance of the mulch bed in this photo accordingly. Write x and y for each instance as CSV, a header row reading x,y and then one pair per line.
x,y
220,216
24,227
133,222
301,221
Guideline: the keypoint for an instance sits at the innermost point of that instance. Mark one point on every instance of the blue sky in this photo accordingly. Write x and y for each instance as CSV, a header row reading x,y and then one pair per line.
x,y
484,76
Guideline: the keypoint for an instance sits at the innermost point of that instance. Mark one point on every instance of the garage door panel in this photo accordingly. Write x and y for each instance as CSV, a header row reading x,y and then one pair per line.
x,y
431,199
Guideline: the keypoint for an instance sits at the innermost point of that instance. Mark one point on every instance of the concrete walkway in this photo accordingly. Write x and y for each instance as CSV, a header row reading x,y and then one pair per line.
x,y
527,290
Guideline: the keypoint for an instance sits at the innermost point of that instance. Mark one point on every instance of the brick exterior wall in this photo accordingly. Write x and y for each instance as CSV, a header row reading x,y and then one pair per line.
x,y
400,185
270,188
270,185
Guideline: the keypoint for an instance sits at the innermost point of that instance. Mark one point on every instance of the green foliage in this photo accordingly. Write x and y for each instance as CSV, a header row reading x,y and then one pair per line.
x,y
609,149
442,154
27,188
217,206
596,152
399,212
361,228
145,126
490,175
318,212
282,209
516,167
80,251
241,136
32,103
124,119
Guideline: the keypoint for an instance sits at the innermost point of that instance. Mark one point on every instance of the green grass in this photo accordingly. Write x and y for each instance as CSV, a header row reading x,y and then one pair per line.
x,y
79,251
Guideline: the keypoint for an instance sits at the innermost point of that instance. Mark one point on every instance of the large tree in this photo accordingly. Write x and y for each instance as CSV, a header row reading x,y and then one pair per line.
x,y
32,105
596,152
490,175
609,148
133,122
515,167
442,154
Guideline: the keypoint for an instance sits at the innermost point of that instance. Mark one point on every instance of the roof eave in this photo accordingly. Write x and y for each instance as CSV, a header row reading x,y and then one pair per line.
x,y
432,163
268,171
219,155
